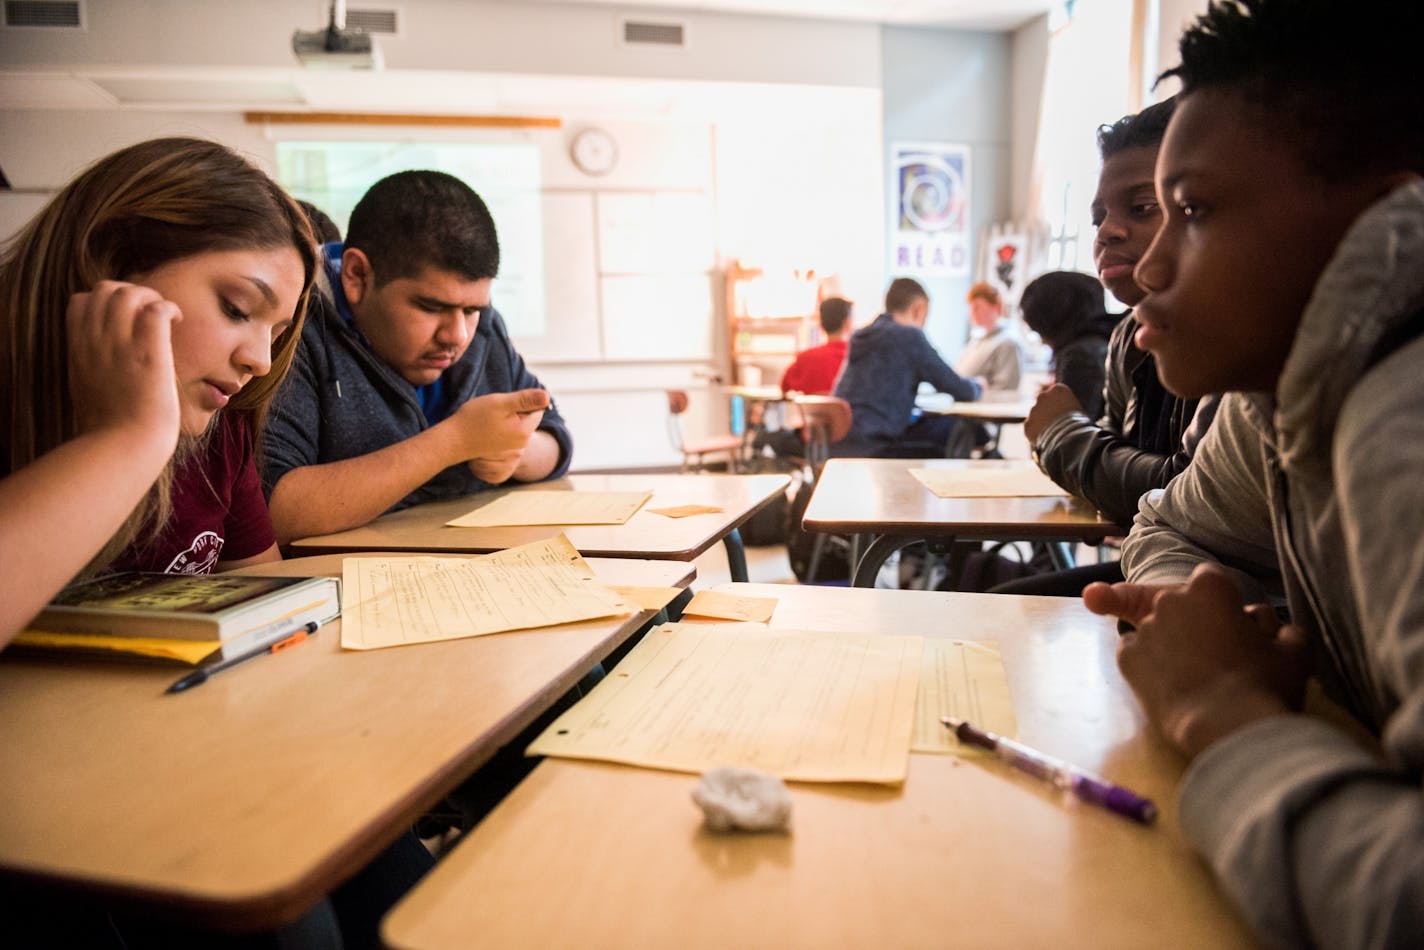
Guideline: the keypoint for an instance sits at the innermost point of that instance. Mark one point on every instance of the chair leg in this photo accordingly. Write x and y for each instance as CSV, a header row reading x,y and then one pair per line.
x,y
816,548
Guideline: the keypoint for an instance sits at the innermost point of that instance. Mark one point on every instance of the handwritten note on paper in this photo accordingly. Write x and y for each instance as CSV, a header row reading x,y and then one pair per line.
x,y
401,600
987,482
685,511
720,606
522,508
811,707
966,680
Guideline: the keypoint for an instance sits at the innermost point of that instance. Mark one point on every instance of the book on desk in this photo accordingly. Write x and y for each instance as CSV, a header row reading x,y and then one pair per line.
x,y
183,618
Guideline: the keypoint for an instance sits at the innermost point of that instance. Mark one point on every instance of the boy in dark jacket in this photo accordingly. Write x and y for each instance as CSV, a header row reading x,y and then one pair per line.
x,y
406,387
1146,435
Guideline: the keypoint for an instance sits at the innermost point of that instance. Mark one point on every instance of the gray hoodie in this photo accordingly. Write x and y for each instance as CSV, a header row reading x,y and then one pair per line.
x,y
1319,839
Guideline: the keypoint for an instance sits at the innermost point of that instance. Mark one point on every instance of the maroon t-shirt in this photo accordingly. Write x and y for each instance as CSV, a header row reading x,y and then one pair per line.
x,y
218,509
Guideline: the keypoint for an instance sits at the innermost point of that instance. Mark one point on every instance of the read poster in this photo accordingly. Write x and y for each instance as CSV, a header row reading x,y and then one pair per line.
x,y
932,234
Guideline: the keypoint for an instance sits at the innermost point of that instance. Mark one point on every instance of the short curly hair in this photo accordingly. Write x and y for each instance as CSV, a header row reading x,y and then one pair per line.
x,y
1140,130
1340,79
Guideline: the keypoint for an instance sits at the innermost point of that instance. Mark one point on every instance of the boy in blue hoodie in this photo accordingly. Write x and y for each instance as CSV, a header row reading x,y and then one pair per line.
x,y
406,387
887,361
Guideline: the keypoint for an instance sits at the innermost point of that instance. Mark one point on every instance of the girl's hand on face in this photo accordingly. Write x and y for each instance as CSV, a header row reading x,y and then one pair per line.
x,y
121,371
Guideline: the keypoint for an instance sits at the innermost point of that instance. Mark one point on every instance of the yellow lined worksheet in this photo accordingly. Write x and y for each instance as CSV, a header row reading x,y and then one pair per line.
x,y
393,601
965,680
524,508
816,707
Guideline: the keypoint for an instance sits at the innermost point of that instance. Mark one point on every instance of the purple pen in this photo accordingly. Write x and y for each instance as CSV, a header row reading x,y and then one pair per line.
x,y
1084,785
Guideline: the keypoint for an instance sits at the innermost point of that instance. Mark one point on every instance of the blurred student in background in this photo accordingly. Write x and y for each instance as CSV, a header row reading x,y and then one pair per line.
x,y
887,361
815,370
995,352
1066,309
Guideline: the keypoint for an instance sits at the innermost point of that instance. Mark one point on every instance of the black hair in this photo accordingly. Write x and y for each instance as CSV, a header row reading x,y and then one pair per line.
x,y
835,311
903,292
322,226
1140,130
412,220
1059,305
1340,79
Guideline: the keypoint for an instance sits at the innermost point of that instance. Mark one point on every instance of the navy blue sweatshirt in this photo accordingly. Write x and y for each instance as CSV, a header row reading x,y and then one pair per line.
x,y
884,367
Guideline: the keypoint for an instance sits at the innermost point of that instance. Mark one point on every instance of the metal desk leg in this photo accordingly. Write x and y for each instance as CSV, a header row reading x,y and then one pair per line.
x,y
870,562
1061,554
736,556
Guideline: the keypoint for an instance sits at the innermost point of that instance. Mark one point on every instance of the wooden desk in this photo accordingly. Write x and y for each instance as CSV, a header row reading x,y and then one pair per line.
x,y
987,411
880,497
966,854
645,535
756,393
241,803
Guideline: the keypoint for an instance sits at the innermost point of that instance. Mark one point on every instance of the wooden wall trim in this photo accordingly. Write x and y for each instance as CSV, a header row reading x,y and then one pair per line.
x,y
401,118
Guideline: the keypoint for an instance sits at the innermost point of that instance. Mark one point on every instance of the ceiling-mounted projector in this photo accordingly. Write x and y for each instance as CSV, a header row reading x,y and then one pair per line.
x,y
336,47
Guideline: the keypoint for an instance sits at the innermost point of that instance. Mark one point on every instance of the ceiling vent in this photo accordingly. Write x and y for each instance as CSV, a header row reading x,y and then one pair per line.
x,y
45,14
662,35
373,21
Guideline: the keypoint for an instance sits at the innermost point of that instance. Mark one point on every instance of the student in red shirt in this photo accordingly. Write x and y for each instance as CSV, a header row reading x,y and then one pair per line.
x,y
815,370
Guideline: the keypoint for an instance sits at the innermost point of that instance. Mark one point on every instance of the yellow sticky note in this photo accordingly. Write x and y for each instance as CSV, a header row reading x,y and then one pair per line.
x,y
685,511
645,598
720,606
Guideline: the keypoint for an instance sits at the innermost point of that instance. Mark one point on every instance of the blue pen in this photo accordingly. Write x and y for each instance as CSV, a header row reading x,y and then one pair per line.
x,y
202,674
1084,785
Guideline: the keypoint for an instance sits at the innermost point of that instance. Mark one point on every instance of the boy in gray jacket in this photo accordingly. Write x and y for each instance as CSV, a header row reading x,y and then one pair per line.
x,y
406,387
1289,273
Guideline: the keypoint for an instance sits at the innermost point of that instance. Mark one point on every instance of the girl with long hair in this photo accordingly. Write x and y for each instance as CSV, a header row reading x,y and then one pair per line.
x,y
147,316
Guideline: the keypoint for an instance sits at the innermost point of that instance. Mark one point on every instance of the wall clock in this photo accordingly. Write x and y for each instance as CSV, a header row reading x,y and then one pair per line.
x,y
594,151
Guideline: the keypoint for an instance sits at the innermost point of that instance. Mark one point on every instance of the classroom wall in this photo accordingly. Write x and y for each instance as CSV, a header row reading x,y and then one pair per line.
x,y
1173,17
951,86
792,116
1030,64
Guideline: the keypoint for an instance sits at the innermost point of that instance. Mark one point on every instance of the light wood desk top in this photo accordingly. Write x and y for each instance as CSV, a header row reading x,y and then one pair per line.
x,y
645,535
966,854
243,801
880,496
757,393
989,410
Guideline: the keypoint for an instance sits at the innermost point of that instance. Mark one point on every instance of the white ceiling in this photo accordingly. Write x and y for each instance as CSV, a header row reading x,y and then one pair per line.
x,y
963,14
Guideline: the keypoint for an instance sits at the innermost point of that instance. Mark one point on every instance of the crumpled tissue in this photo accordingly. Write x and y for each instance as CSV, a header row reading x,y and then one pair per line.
x,y
735,799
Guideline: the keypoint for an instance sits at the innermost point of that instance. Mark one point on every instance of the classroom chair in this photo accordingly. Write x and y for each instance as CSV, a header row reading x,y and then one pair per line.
x,y
825,420
695,451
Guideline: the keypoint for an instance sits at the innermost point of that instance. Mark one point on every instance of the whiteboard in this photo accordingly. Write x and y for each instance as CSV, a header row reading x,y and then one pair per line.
x,y
657,316
571,325
654,232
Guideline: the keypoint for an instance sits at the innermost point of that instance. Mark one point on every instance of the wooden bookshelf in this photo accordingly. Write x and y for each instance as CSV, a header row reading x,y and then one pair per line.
x,y
770,318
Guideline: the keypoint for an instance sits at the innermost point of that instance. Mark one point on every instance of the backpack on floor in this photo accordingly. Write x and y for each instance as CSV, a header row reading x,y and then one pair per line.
x,y
800,544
